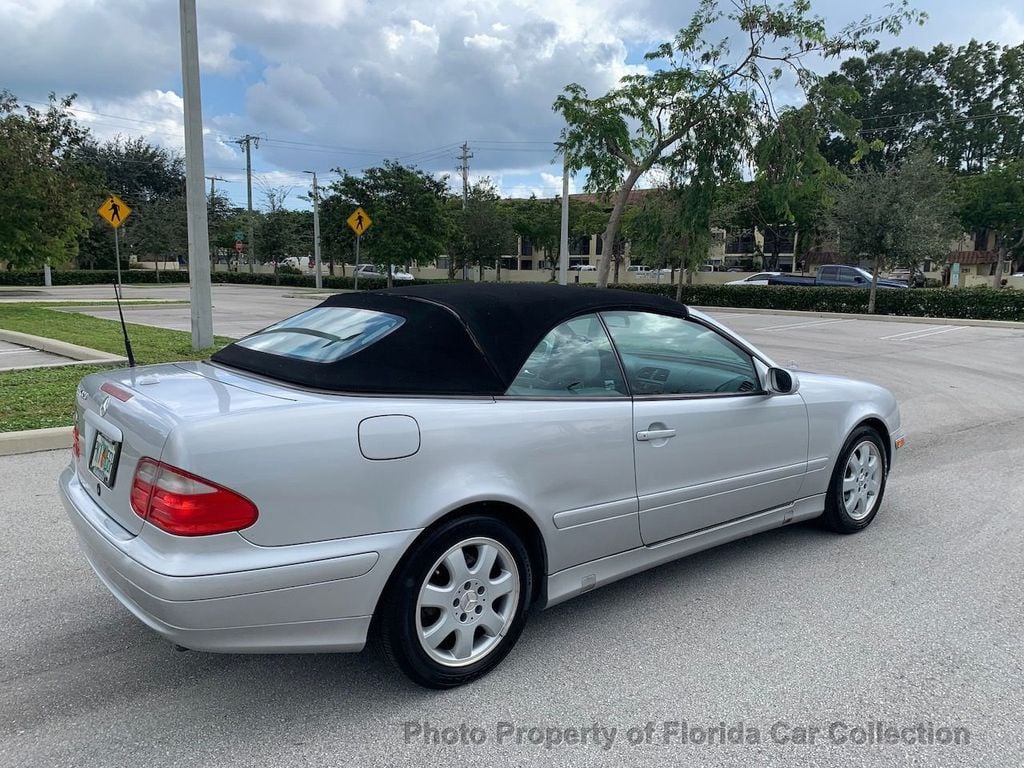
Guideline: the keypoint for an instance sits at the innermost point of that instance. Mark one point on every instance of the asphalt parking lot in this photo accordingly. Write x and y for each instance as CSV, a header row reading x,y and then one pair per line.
x,y
918,620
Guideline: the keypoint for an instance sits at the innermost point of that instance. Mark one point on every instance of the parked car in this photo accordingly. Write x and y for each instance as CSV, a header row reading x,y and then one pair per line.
x,y
761,278
837,276
638,269
375,272
401,456
585,268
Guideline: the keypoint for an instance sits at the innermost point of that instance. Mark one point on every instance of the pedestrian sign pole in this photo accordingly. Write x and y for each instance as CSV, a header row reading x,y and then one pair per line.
x,y
114,211
359,222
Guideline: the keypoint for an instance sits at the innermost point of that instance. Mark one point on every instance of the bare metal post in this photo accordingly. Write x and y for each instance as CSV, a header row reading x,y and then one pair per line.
x,y
195,193
563,250
117,254
316,231
355,269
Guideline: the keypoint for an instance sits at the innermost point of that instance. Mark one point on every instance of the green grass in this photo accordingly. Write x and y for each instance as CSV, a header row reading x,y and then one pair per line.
x,y
44,397
40,398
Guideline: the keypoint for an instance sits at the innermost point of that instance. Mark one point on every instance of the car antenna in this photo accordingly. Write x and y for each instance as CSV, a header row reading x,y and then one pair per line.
x,y
124,329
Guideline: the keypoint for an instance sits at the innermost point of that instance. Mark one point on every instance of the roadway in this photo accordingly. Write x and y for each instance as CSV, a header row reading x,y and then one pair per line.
x,y
916,620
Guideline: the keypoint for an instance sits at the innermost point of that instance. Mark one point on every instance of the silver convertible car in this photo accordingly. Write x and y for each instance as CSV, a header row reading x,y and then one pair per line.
x,y
428,464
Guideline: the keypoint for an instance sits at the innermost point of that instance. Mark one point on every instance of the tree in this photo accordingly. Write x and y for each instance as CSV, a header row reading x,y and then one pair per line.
x,y
406,206
539,224
791,194
482,231
151,180
896,216
702,99
46,191
994,202
967,103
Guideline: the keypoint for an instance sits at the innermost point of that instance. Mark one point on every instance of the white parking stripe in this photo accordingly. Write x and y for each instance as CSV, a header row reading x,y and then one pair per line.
x,y
812,324
914,332
932,333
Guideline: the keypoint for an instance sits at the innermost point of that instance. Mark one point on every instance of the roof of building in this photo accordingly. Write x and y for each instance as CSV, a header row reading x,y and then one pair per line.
x,y
457,339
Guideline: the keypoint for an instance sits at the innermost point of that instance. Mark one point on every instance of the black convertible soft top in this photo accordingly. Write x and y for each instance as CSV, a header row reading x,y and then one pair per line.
x,y
457,339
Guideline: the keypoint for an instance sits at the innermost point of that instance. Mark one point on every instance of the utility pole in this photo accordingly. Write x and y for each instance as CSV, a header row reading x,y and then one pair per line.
x,y
464,168
563,248
316,230
213,179
248,140
213,191
198,230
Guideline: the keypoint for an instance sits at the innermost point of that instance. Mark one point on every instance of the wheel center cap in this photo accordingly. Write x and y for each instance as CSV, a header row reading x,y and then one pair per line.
x,y
468,602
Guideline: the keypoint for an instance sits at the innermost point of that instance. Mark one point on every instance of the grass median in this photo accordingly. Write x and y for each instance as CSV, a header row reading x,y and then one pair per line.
x,y
45,397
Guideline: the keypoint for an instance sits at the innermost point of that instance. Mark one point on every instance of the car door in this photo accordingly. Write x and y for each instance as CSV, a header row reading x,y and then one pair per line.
x,y
710,445
566,424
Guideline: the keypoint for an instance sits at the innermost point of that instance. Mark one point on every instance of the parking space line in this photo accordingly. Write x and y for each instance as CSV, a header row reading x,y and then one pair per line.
x,y
923,334
894,336
804,324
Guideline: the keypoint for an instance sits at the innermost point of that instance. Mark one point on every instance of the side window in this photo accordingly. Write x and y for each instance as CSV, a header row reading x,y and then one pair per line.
x,y
666,355
575,359
847,276
828,273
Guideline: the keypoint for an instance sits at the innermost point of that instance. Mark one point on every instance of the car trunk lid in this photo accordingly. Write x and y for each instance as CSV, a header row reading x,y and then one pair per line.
x,y
125,415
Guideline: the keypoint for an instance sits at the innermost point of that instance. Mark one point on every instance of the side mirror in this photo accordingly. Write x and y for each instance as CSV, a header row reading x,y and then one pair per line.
x,y
782,382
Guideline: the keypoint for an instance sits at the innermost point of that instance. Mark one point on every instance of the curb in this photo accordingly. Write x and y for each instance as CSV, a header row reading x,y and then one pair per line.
x,y
80,355
1012,324
32,440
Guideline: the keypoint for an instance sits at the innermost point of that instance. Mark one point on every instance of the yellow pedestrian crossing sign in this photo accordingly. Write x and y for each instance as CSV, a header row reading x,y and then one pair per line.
x,y
114,211
360,221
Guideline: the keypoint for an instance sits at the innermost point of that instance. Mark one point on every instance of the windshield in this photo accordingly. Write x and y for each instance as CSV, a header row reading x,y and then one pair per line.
x,y
323,334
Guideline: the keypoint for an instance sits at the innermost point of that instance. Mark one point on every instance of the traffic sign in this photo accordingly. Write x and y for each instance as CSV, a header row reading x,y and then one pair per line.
x,y
238,246
114,211
360,221
239,236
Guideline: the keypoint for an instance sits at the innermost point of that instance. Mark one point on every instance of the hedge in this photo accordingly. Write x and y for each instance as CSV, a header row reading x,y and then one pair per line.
x,y
956,304
966,303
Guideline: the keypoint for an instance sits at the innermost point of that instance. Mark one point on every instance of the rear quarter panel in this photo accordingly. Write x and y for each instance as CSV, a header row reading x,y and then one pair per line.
x,y
302,466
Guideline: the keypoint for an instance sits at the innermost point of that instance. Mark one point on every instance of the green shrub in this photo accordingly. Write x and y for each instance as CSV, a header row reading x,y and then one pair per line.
x,y
956,304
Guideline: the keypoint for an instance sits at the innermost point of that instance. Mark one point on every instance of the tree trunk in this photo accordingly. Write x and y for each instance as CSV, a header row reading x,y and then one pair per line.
x,y
451,268
612,230
481,270
1001,249
874,285
497,270
679,290
391,277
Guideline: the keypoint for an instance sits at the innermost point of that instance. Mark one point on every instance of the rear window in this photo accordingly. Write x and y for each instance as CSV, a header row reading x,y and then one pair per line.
x,y
323,334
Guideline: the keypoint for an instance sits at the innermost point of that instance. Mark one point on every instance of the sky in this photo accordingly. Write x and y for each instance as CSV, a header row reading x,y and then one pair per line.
x,y
329,84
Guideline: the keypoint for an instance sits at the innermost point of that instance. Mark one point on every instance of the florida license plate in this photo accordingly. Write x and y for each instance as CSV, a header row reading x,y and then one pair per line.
x,y
103,460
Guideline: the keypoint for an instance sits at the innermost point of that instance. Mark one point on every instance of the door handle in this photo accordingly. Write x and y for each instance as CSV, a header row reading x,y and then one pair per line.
x,y
654,434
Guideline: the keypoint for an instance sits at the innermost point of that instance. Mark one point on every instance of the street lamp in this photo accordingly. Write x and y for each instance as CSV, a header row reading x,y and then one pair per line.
x,y
316,229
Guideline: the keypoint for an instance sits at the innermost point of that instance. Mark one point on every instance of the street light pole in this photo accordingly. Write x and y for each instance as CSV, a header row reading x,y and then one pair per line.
x,y
195,192
563,255
316,230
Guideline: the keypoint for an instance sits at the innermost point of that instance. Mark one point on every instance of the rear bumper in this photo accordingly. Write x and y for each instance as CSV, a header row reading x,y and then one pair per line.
x,y
203,602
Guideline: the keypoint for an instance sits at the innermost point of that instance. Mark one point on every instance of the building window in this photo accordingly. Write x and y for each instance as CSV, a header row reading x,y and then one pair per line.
x,y
740,241
525,247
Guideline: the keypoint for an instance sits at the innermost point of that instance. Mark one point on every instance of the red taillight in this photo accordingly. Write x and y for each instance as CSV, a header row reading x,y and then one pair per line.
x,y
186,505
76,442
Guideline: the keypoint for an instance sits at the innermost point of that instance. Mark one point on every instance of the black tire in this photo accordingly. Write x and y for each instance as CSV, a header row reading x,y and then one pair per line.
x,y
836,517
397,613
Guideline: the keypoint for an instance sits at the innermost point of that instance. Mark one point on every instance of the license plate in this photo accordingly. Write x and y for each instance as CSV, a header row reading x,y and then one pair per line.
x,y
103,460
